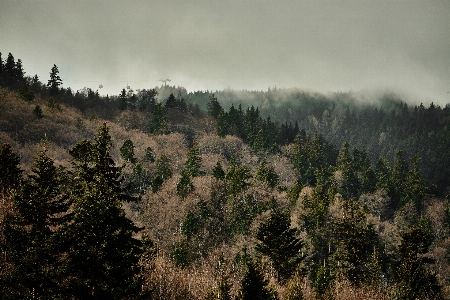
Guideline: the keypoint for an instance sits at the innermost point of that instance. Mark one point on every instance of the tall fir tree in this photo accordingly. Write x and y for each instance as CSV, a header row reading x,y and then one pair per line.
x,y
103,255
278,241
54,82
9,169
32,232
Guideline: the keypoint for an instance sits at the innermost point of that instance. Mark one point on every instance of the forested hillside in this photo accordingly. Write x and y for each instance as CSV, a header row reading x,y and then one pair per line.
x,y
164,194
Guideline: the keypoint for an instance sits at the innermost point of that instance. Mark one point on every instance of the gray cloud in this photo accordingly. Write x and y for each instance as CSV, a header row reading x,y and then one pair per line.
x,y
316,45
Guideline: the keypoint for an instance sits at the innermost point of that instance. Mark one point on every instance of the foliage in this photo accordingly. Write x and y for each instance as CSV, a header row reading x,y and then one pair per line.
x,y
415,280
9,168
127,151
253,285
103,255
278,241
32,231
37,111
54,82
267,174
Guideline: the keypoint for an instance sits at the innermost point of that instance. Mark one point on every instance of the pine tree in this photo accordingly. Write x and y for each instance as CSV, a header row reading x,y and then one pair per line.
x,y
103,255
184,185
254,286
194,162
218,171
127,151
158,122
54,82
123,101
267,174
10,71
415,281
32,231
354,241
149,155
278,241
214,108
9,169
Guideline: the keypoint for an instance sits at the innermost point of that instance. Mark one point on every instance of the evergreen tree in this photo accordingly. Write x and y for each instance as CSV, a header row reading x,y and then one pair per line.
x,y
127,151
354,240
184,185
236,178
415,185
158,122
278,241
214,108
415,281
149,155
254,286
399,179
267,174
25,91
162,173
218,171
103,255
10,71
350,183
194,162
9,169
32,230
123,101
54,82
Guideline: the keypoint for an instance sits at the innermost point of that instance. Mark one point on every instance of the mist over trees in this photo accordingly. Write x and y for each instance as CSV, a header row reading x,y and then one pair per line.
x,y
163,194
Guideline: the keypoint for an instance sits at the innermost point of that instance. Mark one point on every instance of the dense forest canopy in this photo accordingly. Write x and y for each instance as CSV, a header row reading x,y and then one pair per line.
x,y
162,193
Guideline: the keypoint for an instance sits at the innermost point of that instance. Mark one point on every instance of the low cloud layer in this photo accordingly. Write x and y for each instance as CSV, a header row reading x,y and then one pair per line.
x,y
207,45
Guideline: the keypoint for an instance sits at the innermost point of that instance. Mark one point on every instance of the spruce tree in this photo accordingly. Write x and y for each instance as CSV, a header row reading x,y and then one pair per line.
x,y
127,151
415,281
354,240
194,162
103,255
278,241
9,169
54,82
254,286
32,232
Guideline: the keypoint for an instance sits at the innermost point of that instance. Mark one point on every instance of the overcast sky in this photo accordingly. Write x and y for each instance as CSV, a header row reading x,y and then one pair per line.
x,y
323,46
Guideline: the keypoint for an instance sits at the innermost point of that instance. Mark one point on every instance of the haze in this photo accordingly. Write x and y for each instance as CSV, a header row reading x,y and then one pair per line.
x,y
323,46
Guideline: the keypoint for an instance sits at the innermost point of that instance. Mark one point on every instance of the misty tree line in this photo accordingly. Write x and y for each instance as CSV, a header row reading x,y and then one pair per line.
x,y
268,120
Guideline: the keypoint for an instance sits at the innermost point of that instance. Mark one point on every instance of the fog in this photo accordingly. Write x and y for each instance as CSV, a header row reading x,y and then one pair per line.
x,y
322,46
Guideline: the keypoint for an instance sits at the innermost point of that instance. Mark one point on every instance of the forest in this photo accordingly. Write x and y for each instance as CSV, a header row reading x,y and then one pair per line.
x,y
162,193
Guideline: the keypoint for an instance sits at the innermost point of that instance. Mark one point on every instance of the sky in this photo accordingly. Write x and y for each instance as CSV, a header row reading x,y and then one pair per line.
x,y
317,45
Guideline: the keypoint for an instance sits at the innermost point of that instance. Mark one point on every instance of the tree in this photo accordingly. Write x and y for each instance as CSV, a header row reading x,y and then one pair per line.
x,y
214,108
32,231
218,171
127,151
267,174
10,71
415,280
102,254
194,162
149,155
25,91
254,286
9,169
162,173
123,100
350,183
278,241
158,122
354,240
54,82
184,185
